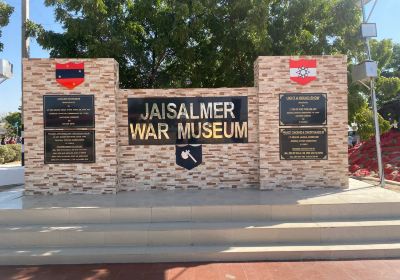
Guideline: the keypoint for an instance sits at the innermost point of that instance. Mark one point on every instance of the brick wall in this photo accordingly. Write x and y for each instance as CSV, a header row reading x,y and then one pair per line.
x,y
123,167
272,78
99,177
153,167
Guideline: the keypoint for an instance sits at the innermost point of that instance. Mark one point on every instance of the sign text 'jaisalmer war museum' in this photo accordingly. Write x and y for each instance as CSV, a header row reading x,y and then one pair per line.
x,y
83,134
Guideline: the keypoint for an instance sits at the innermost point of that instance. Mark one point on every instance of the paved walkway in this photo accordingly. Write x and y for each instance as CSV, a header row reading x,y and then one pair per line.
x,y
319,270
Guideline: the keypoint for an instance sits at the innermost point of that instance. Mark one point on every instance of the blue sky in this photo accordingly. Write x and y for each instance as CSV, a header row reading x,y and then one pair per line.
x,y
385,15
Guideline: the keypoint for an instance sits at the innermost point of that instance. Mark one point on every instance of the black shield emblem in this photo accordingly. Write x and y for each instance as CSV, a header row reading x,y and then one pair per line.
x,y
188,156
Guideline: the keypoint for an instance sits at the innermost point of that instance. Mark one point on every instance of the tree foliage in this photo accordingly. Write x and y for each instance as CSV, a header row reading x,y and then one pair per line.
x,y
356,102
5,13
387,89
198,43
365,122
387,86
13,123
392,69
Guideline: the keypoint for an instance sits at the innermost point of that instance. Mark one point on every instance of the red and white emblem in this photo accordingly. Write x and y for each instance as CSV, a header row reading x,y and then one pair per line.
x,y
303,71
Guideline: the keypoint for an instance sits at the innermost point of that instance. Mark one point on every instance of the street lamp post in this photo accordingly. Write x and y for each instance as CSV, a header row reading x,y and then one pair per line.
x,y
369,30
24,54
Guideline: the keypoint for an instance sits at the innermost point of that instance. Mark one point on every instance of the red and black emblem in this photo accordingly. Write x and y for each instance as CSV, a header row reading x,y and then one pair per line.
x,y
70,74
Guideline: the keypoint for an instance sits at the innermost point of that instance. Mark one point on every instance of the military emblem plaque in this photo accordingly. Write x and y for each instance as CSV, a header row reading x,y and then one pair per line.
x,y
188,156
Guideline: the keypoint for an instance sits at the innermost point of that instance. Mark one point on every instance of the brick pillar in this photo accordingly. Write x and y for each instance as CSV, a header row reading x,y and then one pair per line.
x,y
101,80
271,79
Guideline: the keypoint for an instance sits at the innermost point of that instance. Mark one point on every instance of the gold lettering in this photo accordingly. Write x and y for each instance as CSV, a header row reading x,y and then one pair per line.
x,y
217,128
192,116
184,132
145,117
228,107
231,129
240,132
207,130
151,132
183,111
193,130
163,128
171,108
218,110
163,111
155,112
206,112
138,130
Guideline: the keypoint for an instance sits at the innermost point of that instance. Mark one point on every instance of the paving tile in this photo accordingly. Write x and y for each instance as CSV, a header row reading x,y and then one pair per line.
x,y
180,273
310,270
231,271
256,271
206,272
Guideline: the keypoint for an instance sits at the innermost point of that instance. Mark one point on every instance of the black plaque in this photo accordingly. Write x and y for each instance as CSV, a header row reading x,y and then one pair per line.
x,y
64,111
187,120
69,146
189,156
303,143
302,109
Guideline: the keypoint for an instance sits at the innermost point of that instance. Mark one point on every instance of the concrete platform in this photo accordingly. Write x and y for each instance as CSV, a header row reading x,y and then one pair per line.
x,y
230,225
11,174
358,192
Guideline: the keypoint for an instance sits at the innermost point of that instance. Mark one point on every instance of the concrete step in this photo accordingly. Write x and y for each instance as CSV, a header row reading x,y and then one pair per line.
x,y
76,255
207,213
200,233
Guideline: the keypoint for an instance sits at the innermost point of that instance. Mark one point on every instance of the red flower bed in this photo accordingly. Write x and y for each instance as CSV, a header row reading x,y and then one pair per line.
x,y
362,157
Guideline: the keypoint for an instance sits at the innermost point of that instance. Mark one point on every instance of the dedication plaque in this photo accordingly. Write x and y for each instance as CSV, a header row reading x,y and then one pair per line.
x,y
68,111
303,143
69,146
187,120
302,108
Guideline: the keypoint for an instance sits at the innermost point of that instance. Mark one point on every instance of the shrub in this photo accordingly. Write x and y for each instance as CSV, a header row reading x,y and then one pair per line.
x,y
365,122
17,149
10,153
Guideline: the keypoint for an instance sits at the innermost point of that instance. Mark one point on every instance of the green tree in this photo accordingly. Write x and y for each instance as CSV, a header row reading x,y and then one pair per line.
x,y
198,43
356,102
314,27
365,122
387,89
13,123
392,69
387,56
5,13
381,52
387,85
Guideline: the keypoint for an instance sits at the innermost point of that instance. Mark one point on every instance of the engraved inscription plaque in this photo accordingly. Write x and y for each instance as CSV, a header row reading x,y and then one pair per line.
x,y
64,111
302,109
69,146
303,143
